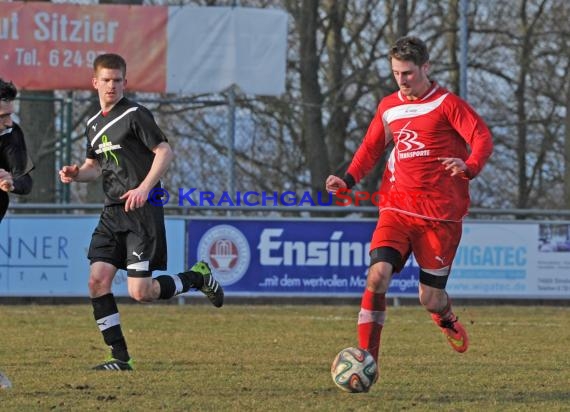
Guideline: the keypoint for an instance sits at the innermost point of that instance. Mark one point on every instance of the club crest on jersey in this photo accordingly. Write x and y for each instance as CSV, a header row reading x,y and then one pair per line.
x,y
107,148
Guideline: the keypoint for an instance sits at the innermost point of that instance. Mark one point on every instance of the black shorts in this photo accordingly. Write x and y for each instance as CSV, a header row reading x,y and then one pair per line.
x,y
134,241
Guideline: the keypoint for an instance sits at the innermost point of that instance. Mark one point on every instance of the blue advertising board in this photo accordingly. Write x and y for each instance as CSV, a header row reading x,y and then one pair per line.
x,y
47,255
290,257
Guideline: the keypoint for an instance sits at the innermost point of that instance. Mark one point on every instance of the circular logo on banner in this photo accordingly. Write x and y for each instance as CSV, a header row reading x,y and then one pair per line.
x,y
227,251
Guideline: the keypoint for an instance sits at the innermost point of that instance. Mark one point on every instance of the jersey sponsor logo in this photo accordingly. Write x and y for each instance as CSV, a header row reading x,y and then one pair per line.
x,y
107,148
407,139
226,249
407,144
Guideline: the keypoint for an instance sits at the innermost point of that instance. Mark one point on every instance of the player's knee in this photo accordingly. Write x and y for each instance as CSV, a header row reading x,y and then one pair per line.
x,y
143,289
97,286
141,296
142,292
101,277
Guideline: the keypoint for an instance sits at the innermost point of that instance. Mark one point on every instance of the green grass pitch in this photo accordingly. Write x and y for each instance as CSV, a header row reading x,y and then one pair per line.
x,y
194,357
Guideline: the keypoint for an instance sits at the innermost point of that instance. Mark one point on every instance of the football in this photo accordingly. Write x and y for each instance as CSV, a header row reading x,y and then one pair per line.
x,y
354,370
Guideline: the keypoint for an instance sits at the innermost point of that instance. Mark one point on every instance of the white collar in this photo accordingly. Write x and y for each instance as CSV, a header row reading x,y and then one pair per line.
x,y
2,133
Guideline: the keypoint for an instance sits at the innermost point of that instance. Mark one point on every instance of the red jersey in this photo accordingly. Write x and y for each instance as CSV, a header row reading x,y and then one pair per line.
x,y
439,124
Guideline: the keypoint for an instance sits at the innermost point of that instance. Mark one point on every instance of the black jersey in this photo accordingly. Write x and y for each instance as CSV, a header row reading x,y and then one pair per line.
x,y
122,141
14,156
14,159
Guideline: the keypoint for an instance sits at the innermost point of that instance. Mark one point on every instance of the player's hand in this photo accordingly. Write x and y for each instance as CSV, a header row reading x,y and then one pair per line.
x,y
67,174
456,165
334,183
135,198
6,181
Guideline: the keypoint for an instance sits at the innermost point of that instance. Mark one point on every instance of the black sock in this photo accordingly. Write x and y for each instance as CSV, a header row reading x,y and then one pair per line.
x,y
107,317
168,287
192,280
172,285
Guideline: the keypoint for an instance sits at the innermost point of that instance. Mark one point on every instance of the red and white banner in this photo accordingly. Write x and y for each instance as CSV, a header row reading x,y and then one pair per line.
x,y
45,46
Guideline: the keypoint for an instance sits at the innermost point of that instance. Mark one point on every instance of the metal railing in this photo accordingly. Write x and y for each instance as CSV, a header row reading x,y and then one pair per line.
x,y
474,213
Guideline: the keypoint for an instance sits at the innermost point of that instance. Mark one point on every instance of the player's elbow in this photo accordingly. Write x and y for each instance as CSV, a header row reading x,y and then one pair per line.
x,y
168,153
164,151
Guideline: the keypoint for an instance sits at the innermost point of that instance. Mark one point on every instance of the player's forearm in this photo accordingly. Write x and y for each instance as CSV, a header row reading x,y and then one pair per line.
x,y
88,172
23,185
481,150
162,158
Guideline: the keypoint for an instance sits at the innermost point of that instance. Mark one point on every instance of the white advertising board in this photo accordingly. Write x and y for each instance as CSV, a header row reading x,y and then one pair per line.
x,y
517,260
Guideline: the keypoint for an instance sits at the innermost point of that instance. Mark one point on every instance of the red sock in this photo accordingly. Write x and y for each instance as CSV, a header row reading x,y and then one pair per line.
x,y
370,321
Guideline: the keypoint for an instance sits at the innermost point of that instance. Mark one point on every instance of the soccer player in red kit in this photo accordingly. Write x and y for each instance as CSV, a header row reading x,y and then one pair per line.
x,y
425,189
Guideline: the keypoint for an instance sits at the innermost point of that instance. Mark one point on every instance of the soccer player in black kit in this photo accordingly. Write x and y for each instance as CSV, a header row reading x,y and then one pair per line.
x,y
15,164
126,147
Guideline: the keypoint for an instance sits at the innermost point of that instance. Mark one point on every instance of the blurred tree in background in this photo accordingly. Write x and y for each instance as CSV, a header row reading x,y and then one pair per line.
x,y
337,72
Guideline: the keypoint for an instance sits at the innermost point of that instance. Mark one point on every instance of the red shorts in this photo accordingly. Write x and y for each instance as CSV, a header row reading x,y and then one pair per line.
x,y
433,242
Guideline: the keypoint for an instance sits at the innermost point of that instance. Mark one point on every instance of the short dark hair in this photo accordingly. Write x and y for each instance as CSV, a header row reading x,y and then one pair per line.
x,y
8,91
110,61
409,48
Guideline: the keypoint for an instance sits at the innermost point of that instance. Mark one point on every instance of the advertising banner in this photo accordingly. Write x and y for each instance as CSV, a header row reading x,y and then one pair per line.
x,y
47,256
516,259
47,46
290,257
330,258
